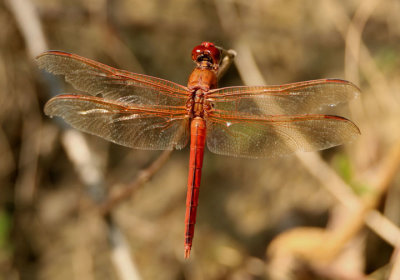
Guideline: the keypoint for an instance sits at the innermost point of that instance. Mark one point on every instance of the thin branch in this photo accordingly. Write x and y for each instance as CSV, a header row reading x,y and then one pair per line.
x,y
353,39
143,177
228,57
395,273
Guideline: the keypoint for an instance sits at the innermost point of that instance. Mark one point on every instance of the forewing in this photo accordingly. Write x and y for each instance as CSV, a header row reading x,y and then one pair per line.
x,y
152,128
100,80
297,98
257,137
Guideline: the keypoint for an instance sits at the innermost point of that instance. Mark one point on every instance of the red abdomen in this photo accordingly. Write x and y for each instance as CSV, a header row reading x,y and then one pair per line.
x,y
197,142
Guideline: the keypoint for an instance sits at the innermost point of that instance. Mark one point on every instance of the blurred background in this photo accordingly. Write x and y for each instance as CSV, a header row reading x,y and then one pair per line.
x,y
327,215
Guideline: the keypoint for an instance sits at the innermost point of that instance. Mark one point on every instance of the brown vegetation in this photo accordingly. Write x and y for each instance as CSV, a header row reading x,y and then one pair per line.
x,y
73,206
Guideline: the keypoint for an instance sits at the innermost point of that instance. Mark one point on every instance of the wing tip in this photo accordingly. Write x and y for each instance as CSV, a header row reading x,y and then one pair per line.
x,y
48,111
356,90
355,128
49,106
41,58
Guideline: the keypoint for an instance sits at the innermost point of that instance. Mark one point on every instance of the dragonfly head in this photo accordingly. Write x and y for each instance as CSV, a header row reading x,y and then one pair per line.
x,y
206,53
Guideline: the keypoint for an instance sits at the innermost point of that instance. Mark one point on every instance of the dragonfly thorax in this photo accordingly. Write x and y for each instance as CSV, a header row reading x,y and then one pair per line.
x,y
196,104
202,78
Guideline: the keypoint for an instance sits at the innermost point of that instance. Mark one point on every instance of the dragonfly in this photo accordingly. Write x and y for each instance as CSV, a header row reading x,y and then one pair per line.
x,y
149,113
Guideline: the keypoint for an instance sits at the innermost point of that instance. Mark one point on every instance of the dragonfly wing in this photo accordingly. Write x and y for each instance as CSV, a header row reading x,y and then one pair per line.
x,y
152,128
100,80
296,98
257,137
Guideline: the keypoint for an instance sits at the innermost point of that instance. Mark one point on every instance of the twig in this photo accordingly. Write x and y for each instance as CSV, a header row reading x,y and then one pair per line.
x,y
387,171
353,39
142,178
395,273
228,57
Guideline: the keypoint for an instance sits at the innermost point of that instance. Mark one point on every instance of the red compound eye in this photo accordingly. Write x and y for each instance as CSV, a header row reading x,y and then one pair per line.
x,y
206,50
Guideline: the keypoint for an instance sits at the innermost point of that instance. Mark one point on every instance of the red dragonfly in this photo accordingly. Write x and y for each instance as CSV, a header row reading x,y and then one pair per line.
x,y
145,112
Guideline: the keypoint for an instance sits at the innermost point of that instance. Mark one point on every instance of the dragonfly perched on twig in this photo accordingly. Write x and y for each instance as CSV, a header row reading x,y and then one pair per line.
x,y
145,112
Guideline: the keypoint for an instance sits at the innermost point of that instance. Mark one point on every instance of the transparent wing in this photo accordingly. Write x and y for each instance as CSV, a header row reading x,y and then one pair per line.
x,y
98,79
153,128
256,137
297,98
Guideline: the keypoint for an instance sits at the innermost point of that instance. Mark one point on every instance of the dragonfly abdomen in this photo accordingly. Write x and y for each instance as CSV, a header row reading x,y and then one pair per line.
x,y
197,143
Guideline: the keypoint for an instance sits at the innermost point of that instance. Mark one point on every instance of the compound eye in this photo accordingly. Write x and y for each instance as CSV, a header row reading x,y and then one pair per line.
x,y
206,50
197,52
213,51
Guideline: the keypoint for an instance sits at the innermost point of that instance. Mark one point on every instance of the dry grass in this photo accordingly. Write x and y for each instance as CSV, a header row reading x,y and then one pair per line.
x,y
341,205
